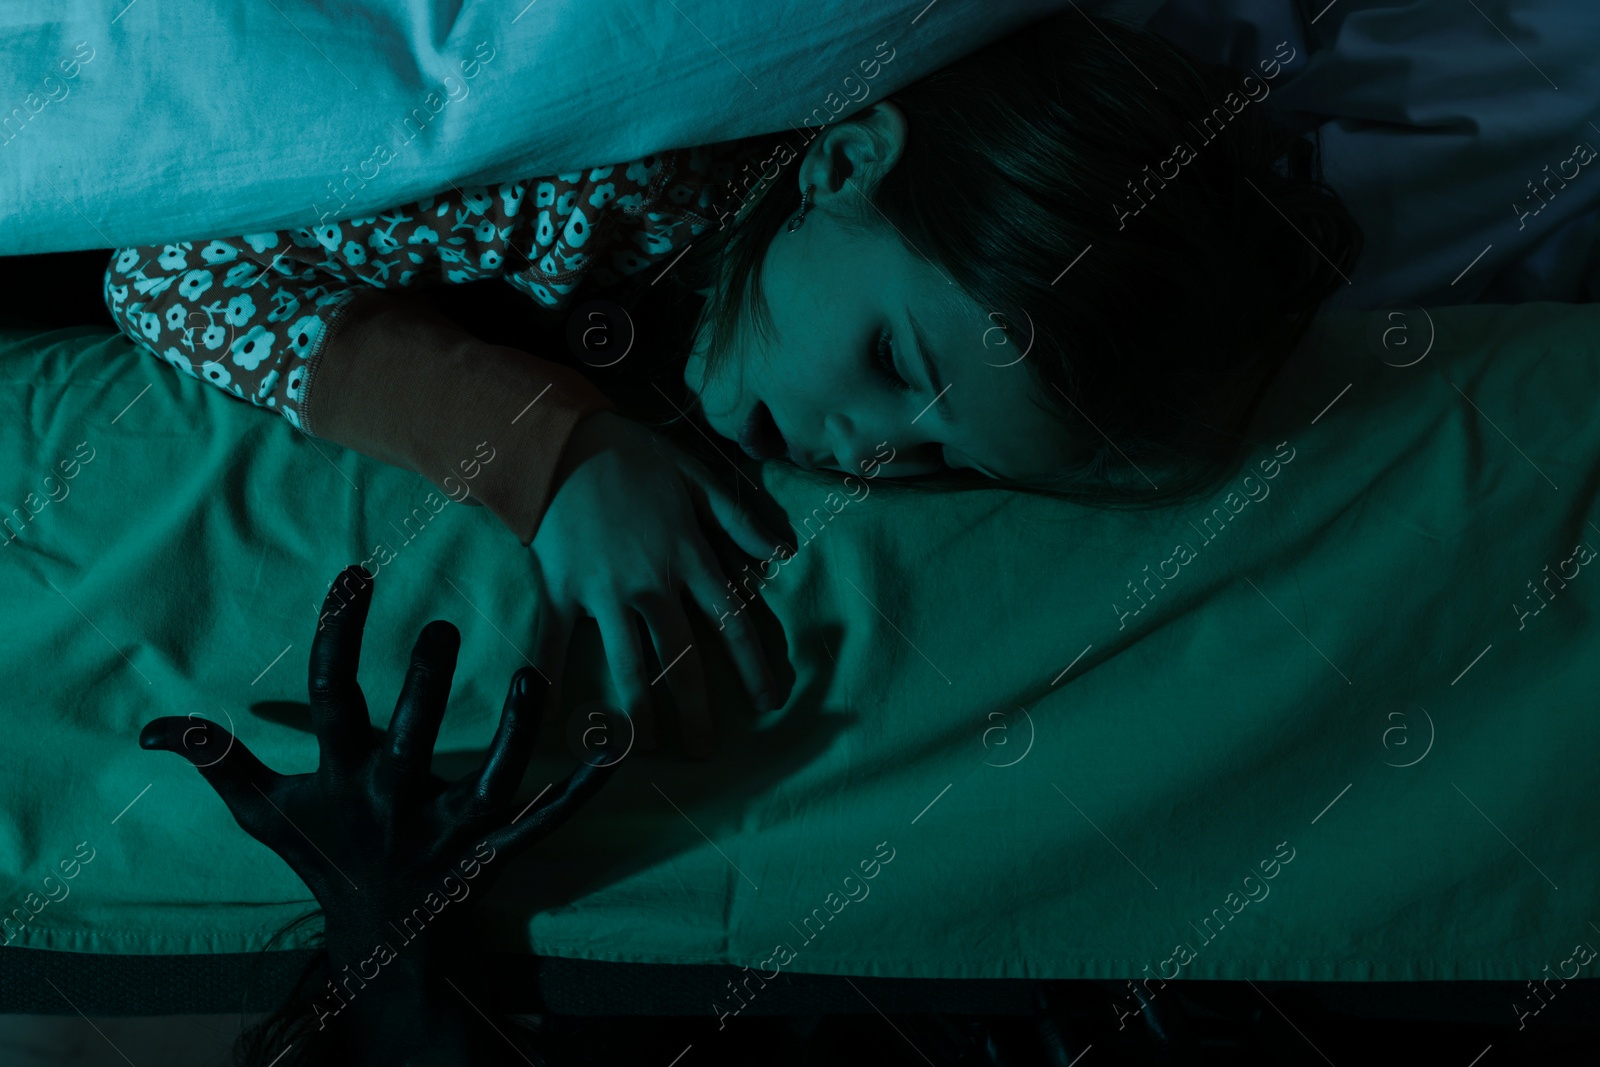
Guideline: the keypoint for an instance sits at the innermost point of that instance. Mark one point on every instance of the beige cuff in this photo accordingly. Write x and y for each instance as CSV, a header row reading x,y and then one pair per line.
x,y
486,424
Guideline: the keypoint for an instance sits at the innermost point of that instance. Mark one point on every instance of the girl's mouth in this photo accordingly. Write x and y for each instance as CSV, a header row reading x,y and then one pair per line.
x,y
760,437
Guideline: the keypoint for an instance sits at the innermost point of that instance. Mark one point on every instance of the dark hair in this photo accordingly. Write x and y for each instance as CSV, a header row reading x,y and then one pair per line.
x,y
1157,346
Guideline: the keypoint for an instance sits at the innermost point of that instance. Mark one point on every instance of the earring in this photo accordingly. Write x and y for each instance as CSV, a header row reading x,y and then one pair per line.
x,y
799,217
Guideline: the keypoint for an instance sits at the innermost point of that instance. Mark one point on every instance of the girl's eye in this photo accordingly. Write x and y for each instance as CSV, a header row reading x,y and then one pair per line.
x,y
883,359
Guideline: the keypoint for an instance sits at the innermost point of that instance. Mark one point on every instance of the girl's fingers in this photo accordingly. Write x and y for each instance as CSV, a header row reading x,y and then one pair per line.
x,y
738,520
682,670
625,653
232,770
735,626
414,728
338,710
503,765
567,798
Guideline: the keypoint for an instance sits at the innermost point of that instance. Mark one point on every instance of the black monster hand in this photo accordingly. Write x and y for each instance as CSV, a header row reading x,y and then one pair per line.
x,y
373,832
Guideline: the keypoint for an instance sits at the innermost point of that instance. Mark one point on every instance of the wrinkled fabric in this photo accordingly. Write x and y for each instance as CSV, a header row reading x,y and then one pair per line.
x,y
1464,138
185,120
1334,722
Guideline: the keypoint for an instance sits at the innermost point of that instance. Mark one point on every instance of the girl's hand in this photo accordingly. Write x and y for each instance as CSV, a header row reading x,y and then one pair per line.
x,y
624,534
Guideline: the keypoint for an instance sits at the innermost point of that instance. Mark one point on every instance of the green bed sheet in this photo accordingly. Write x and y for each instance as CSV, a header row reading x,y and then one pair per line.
x,y
1336,723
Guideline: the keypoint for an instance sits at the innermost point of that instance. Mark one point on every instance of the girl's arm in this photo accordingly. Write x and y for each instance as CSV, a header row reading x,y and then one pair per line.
x,y
301,323
298,323
251,314
485,423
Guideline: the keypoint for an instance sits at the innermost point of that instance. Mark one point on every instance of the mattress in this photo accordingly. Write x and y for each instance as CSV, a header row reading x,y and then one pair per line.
x,y
1332,723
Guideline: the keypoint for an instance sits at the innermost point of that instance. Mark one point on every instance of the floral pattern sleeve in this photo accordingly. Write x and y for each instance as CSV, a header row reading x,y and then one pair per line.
x,y
216,313
252,314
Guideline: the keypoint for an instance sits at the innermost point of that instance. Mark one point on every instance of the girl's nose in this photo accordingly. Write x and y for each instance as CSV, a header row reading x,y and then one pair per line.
x,y
859,447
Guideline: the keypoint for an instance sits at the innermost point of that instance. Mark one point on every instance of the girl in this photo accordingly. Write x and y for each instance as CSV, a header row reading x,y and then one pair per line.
x,y
1030,269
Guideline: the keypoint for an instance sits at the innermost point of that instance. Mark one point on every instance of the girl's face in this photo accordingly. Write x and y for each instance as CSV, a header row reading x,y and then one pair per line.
x,y
875,345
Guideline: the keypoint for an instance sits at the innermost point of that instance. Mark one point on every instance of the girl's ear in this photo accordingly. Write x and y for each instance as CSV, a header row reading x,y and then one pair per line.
x,y
857,152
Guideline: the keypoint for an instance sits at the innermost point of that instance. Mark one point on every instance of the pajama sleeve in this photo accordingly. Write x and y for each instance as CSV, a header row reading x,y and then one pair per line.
x,y
485,423
301,323
249,327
